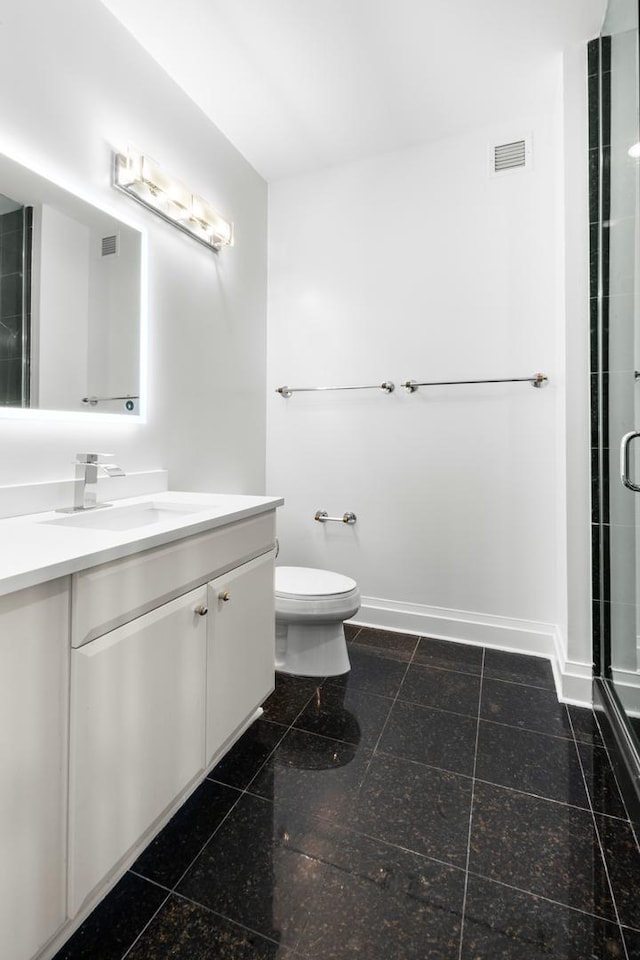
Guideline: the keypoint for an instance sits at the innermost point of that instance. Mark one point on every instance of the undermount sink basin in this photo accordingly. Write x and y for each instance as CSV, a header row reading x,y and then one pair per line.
x,y
128,518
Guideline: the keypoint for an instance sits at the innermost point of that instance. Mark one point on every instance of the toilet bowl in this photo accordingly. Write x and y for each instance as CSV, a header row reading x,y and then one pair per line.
x,y
311,607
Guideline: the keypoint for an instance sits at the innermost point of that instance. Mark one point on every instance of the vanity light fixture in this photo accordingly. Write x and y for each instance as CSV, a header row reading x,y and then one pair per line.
x,y
144,180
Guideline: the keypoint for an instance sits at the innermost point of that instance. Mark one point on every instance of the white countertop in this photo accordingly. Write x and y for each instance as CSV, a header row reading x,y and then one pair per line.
x,y
33,549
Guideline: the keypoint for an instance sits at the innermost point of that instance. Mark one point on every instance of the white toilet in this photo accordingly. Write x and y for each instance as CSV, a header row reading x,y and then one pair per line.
x,y
311,607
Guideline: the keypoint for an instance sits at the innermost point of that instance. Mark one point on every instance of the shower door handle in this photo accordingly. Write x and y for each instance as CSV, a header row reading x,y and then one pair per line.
x,y
625,457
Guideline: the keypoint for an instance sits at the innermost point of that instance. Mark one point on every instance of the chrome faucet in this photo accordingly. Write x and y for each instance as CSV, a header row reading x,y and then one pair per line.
x,y
86,487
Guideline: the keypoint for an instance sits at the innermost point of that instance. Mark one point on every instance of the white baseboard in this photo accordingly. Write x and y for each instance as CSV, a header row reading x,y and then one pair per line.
x,y
625,678
627,684
573,680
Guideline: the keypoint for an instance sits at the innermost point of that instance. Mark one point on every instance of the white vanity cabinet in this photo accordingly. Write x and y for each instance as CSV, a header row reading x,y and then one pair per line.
x,y
34,660
172,652
137,734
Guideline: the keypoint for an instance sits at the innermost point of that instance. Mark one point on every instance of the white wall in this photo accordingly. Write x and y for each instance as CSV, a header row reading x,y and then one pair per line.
x,y
89,87
420,265
573,424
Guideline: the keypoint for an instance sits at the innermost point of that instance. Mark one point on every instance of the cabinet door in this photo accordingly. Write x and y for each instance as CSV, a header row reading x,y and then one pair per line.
x,y
34,684
240,648
137,733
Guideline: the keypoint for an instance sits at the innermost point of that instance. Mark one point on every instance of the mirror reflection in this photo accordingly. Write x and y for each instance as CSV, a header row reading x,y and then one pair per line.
x,y
70,288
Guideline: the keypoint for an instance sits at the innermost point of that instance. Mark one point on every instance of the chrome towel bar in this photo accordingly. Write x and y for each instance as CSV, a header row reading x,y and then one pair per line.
x,y
92,401
348,517
386,387
536,381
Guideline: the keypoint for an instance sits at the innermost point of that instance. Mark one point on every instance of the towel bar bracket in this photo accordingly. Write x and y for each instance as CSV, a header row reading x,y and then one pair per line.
x,y
538,380
323,517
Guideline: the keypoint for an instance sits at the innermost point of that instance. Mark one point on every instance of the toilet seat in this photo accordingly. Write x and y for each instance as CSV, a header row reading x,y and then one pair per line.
x,y
311,606
310,583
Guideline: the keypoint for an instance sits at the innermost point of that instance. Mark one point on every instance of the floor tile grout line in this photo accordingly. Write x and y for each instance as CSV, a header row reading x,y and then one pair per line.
x,y
245,789
611,770
223,916
435,666
319,682
384,725
146,926
415,650
259,770
605,746
201,906
569,738
320,736
241,794
541,896
632,824
208,840
539,796
357,691
246,792
286,733
351,829
155,883
600,844
473,791
413,662
428,766
521,683
393,703
425,706
420,763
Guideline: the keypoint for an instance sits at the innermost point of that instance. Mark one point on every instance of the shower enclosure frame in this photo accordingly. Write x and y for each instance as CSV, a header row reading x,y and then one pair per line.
x,y
615,722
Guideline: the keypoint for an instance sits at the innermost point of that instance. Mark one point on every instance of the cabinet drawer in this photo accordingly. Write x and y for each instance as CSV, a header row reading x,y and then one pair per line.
x,y
115,593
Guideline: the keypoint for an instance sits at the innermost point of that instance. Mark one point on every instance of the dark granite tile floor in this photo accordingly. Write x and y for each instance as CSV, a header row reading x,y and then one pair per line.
x,y
436,803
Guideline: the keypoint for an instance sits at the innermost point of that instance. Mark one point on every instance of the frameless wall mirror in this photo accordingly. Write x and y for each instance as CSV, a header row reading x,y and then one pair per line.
x,y
70,300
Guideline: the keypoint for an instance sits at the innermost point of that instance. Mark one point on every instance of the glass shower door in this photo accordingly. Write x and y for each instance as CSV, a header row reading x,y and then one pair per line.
x,y
619,358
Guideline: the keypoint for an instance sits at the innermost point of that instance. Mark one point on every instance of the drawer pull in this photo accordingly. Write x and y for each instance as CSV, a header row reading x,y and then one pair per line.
x,y
224,596
202,610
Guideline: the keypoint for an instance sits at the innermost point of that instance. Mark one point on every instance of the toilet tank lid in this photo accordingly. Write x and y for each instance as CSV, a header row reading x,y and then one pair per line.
x,y
310,582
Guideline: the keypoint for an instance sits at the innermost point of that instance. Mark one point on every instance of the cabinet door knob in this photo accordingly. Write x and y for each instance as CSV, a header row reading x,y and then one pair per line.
x,y
224,596
202,610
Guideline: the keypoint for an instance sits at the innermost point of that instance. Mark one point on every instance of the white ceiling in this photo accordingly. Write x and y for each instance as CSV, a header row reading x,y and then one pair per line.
x,y
301,84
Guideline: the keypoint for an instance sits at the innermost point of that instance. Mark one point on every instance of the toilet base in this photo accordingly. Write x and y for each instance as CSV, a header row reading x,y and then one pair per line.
x,y
311,650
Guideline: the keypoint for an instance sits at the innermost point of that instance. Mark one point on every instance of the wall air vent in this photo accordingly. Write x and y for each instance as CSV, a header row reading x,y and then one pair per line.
x,y
110,246
510,156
